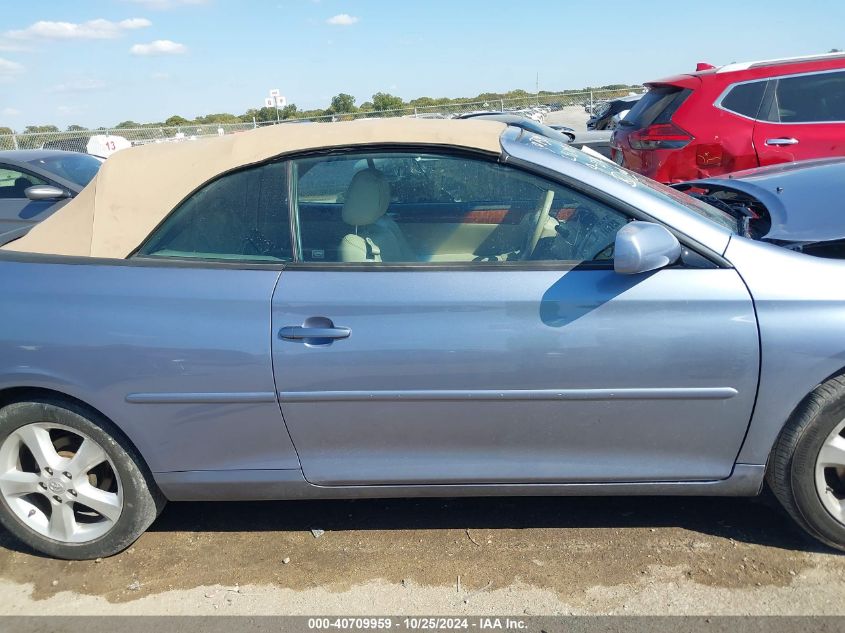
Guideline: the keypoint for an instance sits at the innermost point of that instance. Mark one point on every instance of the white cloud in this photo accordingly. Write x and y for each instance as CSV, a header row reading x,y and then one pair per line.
x,y
92,30
80,85
160,76
159,47
342,19
9,47
9,112
9,68
161,5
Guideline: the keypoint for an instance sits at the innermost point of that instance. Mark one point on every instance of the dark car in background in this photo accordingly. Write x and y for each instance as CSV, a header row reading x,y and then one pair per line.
x,y
605,116
36,183
739,116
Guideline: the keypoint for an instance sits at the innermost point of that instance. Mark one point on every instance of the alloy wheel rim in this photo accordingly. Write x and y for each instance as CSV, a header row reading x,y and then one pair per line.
x,y
59,482
830,473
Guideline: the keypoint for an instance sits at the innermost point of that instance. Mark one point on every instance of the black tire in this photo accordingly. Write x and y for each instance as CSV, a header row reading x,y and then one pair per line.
x,y
792,465
142,500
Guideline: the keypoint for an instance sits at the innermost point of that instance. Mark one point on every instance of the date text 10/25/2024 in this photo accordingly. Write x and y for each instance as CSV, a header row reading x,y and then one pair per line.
x,y
417,623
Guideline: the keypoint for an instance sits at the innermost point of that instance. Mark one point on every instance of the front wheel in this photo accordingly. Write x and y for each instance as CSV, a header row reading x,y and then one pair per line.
x,y
807,466
70,485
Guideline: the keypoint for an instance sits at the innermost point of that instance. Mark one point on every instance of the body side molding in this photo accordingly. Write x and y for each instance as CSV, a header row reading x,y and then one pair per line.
x,y
675,393
201,398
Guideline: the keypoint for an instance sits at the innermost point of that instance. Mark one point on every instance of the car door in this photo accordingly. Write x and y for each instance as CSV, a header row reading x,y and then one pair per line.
x,y
521,357
803,118
196,327
16,210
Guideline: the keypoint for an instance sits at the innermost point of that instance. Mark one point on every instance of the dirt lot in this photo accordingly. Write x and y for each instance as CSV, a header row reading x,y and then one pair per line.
x,y
573,116
540,556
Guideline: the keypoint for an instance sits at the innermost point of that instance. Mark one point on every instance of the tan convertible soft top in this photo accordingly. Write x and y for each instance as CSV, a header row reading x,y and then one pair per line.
x,y
137,188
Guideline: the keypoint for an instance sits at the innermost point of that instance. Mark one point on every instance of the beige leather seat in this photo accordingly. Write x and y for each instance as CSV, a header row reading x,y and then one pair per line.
x,y
376,238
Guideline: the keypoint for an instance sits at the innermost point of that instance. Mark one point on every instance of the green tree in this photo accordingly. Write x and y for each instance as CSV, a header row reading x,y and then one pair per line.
x,y
125,125
6,130
261,115
76,128
428,102
220,117
289,111
176,121
342,104
383,102
40,128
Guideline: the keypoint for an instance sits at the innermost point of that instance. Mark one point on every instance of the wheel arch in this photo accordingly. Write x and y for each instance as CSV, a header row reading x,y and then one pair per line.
x,y
13,395
796,411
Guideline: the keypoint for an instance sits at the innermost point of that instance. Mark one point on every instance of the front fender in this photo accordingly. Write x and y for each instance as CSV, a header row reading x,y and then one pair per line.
x,y
800,305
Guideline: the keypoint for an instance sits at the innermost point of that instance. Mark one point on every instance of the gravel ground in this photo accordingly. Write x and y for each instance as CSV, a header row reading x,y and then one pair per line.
x,y
471,556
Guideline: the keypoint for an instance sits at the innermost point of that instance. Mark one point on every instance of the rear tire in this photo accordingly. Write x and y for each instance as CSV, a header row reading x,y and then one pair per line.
x,y
55,455
806,470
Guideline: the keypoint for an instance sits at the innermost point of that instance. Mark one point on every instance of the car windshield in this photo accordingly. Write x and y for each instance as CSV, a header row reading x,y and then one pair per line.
x,y
78,168
698,207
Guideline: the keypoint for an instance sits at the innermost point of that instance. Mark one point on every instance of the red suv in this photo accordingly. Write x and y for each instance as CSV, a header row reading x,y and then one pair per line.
x,y
719,120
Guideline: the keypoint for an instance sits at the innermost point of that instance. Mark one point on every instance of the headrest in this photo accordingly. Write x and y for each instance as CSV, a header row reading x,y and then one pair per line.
x,y
367,198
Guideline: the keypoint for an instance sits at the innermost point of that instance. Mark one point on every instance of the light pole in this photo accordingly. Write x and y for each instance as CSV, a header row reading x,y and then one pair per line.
x,y
275,100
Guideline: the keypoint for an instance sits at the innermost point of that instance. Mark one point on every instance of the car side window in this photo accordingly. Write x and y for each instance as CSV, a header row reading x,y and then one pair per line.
x,y
816,98
431,208
745,99
241,216
14,183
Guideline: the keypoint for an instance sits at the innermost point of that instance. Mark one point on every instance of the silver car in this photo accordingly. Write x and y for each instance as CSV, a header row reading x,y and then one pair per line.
x,y
36,183
404,308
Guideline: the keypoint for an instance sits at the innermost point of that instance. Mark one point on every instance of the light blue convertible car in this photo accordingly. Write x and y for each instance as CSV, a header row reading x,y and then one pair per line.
x,y
404,308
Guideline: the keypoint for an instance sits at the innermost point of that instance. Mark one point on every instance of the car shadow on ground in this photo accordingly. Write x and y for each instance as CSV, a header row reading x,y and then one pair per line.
x,y
755,521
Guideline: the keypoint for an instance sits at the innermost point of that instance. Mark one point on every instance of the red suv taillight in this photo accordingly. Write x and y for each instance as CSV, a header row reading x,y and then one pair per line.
x,y
660,136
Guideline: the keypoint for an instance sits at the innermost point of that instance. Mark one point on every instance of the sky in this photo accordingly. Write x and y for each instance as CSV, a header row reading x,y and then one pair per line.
x,y
99,62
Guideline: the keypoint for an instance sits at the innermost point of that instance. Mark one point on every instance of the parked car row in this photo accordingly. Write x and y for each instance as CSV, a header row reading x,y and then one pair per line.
x,y
537,113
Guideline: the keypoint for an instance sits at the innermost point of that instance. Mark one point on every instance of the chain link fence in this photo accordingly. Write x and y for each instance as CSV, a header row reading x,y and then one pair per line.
x,y
534,106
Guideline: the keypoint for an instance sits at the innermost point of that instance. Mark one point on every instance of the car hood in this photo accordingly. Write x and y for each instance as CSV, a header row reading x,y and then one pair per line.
x,y
805,200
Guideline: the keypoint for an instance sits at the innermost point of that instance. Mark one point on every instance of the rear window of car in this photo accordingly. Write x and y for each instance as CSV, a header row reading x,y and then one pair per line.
x,y
745,99
657,106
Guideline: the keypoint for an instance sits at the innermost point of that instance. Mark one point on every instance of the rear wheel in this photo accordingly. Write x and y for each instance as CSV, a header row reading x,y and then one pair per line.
x,y
70,485
807,466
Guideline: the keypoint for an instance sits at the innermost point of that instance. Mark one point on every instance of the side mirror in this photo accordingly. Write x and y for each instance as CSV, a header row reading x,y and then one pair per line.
x,y
45,192
644,246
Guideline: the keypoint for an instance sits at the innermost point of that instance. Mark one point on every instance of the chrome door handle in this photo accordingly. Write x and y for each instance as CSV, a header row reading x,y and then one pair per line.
x,y
782,141
298,332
